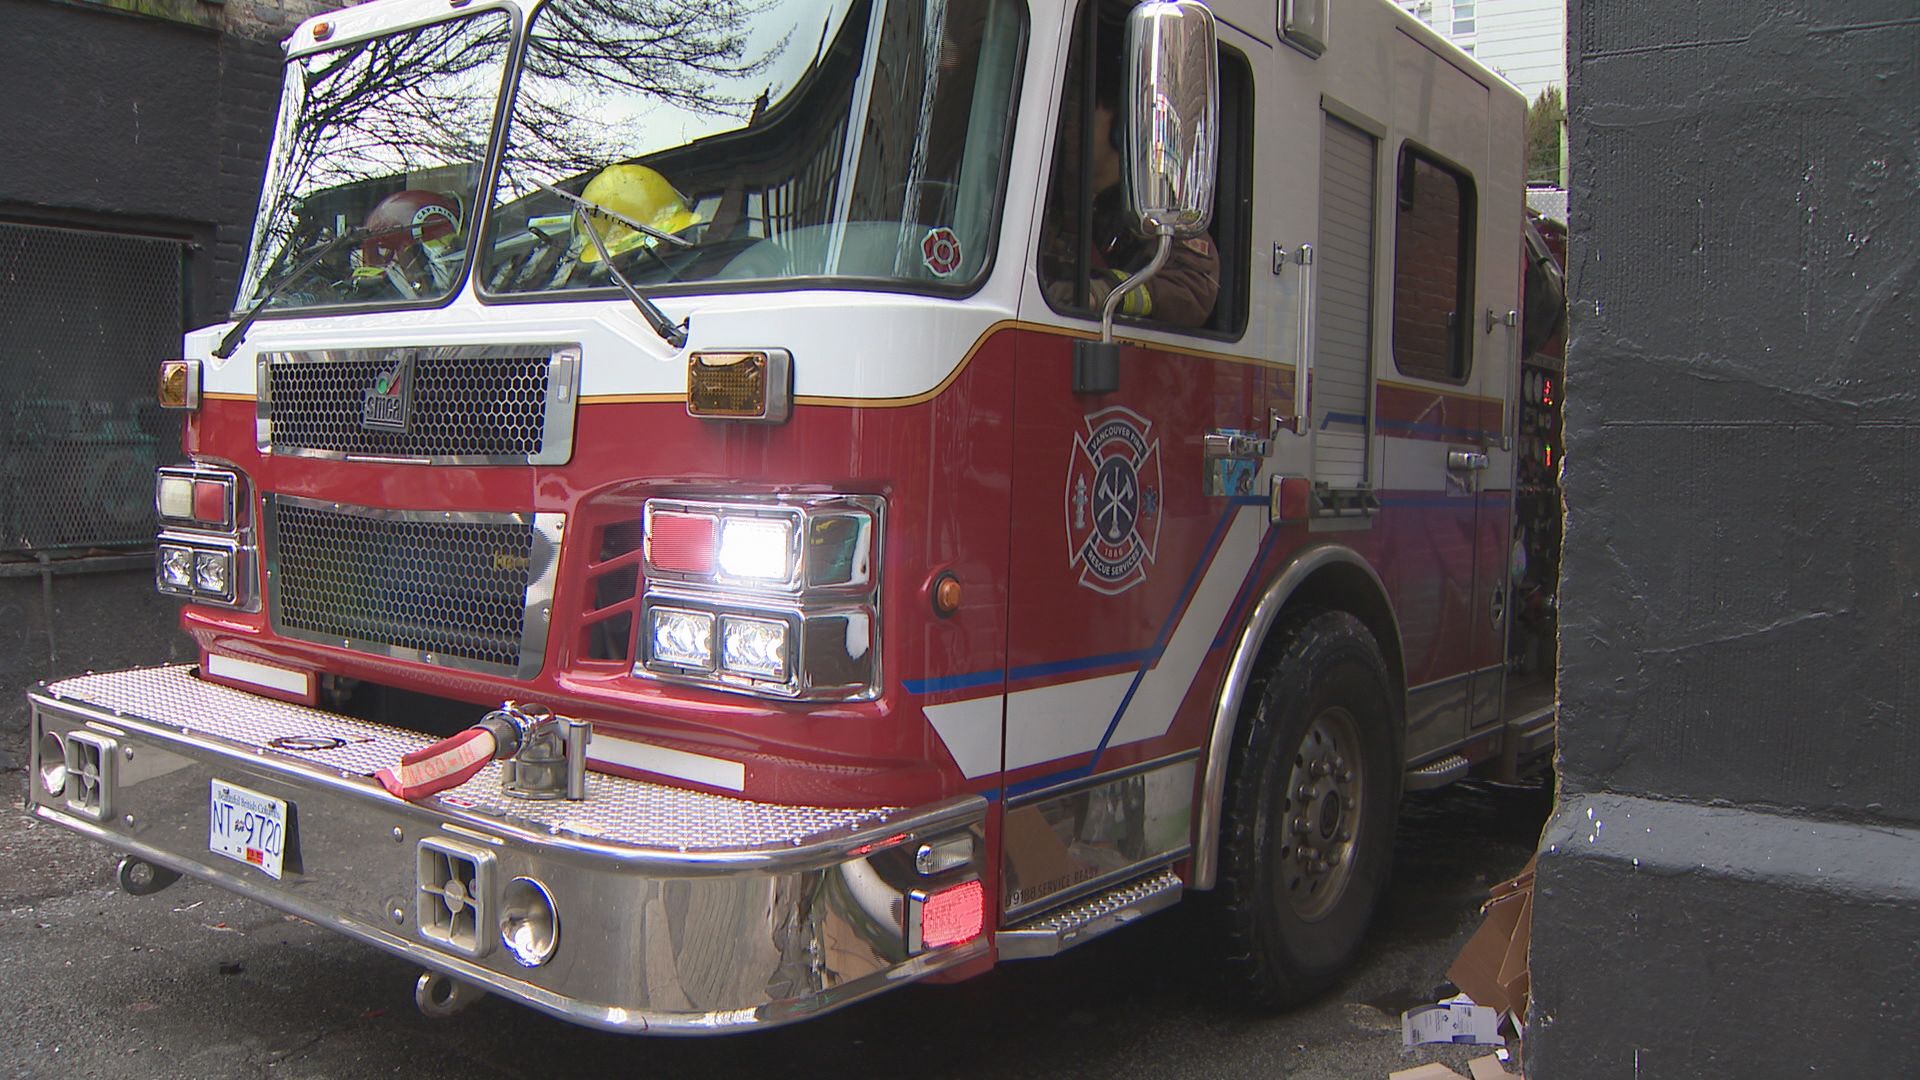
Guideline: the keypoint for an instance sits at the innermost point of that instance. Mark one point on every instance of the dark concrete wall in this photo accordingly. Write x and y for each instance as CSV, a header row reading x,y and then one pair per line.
x,y
135,124
121,121
1741,597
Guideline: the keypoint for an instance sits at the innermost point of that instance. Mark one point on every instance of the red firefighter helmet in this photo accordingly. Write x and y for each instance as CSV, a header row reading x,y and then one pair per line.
x,y
409,224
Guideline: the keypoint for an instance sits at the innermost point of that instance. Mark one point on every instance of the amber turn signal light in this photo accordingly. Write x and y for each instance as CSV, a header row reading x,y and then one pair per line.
x,y
946,595
180,384
741,385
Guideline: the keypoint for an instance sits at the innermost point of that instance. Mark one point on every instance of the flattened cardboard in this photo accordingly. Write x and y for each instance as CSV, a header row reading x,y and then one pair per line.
x,y
1488,1068
1432,1070
1493,967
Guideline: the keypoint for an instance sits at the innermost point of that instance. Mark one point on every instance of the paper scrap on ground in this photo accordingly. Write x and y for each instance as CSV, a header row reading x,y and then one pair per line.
x,y
1454,1021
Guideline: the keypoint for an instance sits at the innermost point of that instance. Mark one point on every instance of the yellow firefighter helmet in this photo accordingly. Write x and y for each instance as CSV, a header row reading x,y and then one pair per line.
x,y
637,192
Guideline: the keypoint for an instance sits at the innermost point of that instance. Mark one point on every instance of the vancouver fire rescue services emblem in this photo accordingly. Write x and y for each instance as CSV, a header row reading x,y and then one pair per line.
x,y
1113,500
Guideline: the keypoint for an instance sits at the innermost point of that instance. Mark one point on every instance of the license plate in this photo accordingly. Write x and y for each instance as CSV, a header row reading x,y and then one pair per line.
x,y
248,827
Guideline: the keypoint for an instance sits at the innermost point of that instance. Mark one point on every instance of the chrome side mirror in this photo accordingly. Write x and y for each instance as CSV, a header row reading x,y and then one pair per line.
x,y
1172,117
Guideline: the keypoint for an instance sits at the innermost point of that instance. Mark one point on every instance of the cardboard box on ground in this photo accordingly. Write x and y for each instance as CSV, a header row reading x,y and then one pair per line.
x,y
1492,969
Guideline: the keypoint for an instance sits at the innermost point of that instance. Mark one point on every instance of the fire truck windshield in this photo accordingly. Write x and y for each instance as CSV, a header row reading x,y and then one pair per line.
x,y
854,142
384,141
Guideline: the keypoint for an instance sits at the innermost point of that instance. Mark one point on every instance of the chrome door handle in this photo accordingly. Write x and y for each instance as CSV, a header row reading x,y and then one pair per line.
x,y
1235,444
1466,460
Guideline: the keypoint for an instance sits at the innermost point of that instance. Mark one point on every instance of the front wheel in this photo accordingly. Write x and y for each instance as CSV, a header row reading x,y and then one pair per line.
x,y
1307,829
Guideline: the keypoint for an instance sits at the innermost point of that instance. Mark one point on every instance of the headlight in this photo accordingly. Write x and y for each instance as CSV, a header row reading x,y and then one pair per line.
x,y
176,566
213,572
772,596
756,647
681,638
757,549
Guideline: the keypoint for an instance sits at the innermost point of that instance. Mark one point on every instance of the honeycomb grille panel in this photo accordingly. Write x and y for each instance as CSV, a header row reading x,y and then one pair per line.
x,y
484,407
445,591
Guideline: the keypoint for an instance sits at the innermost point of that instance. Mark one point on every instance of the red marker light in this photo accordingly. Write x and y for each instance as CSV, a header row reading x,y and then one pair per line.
x,y
209,502
953,915
681,543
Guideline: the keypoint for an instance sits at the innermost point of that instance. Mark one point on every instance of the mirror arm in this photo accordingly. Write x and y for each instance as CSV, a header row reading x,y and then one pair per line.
x,y
1118,295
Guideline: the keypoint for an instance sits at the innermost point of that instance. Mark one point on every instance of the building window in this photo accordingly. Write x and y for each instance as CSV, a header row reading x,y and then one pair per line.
x,y
1463,16
1432,269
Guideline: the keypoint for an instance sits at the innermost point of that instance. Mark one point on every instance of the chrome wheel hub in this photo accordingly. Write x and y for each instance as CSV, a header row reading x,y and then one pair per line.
x,y
1321,814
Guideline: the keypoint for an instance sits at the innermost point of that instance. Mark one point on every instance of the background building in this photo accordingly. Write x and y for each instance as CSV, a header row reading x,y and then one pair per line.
x,y
132,143
1524,40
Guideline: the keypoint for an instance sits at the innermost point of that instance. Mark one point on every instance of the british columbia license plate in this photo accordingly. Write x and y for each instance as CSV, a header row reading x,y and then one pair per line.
x,y
248,827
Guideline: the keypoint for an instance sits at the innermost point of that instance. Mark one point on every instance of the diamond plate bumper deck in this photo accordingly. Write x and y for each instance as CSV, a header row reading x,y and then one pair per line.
x,y
681,912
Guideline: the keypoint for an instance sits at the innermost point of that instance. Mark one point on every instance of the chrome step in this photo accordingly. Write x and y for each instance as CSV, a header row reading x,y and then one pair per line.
x,y
1533,731
1437,773
1076,924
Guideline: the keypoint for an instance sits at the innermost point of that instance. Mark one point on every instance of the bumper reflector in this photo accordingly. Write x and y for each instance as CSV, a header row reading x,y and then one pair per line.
x,y
953,915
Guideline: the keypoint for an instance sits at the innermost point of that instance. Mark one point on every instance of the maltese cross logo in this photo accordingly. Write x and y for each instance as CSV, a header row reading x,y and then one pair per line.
x,y
1113,501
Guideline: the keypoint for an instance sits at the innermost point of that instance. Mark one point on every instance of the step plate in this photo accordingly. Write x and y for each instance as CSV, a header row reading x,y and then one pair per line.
x,y
1062,929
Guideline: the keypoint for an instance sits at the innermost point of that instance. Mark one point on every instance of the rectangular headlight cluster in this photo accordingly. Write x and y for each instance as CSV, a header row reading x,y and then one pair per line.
x,y
205,549
775,597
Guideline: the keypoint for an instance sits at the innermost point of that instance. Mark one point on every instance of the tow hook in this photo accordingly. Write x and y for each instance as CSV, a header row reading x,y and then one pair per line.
x,y
138,877
440,995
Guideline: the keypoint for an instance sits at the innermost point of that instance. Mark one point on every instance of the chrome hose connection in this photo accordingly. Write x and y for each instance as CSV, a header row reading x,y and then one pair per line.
x,y
545,754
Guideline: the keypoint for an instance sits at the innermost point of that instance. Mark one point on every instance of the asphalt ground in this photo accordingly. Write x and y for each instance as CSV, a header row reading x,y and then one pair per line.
x,y
194,982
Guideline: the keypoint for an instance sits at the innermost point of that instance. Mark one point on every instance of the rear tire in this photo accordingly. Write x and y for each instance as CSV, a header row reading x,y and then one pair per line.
x,y
1313,788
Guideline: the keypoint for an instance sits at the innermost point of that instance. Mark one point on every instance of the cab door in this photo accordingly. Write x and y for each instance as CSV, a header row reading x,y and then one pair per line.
x,y
1438,401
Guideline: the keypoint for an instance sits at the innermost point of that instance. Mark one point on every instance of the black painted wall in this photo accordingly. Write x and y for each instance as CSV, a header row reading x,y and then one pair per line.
x,y
1731,886
133,124
120,121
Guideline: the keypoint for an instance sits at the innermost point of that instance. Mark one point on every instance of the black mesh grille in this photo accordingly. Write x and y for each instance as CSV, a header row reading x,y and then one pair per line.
x,y
462,406
85,319
454,589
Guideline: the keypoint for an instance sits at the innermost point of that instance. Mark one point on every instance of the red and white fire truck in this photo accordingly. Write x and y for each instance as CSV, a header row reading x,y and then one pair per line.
x,y
707,512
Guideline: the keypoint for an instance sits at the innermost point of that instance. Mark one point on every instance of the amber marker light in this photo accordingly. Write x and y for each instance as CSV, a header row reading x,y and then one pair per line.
x,y
180,384
322,31
946,595
755,385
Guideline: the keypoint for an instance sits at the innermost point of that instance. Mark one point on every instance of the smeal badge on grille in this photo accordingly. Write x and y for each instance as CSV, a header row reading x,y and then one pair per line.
x,y
386,404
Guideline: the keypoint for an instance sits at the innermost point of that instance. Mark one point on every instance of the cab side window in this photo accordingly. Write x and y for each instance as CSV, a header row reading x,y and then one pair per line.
x,y
1433,269
1087,244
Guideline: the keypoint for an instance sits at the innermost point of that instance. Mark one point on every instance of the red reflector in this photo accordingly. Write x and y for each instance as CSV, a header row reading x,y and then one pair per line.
x,y
1292,504
953,915
681,543
209,502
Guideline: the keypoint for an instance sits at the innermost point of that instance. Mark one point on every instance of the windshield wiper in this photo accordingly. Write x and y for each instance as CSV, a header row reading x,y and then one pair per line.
x,y
238,334
675,336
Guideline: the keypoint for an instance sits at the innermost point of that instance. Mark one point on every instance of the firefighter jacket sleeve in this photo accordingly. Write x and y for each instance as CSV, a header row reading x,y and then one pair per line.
x,y
1182,293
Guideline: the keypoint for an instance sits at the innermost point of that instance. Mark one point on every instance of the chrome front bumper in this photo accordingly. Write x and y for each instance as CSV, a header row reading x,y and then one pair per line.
x,y
680,912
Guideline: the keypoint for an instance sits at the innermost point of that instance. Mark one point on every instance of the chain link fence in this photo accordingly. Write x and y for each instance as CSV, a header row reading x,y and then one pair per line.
x,y
85,319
